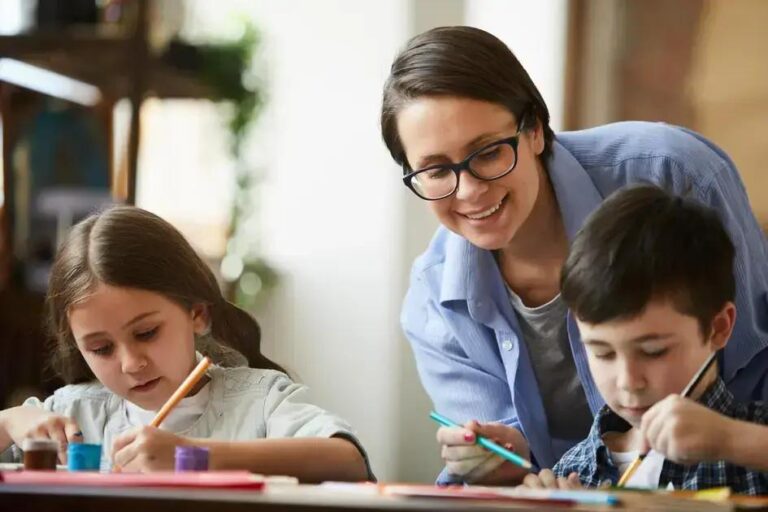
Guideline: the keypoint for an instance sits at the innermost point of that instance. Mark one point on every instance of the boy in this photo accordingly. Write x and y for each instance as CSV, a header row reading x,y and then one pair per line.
x,y
649,281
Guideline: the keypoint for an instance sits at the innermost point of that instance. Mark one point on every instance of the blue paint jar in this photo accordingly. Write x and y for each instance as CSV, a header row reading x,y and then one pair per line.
x,y
191,458
83,457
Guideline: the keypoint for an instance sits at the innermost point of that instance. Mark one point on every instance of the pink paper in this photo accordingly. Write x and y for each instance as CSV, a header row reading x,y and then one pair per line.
x,y
202,480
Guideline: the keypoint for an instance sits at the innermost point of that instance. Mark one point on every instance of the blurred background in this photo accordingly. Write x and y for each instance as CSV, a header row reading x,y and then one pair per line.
x,y
252,125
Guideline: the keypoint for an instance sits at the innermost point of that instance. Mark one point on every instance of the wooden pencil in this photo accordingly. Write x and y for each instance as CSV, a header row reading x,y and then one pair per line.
x,y
182,391
630,470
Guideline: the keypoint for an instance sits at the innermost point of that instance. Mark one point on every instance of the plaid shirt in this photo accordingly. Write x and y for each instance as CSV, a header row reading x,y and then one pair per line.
x,y
591,459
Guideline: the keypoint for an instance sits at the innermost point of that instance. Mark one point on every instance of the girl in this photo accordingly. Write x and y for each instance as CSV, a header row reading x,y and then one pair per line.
x,y
129,301
492,338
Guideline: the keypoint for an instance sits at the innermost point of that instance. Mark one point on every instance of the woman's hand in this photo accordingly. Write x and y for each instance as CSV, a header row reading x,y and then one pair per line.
x,y
686,432
473,463
546,479
145,449
26,422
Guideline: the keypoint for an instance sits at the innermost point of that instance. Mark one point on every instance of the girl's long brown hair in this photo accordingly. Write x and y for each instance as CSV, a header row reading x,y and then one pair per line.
x,y
129,247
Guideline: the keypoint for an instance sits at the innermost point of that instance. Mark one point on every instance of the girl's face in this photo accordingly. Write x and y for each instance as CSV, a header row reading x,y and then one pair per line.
x,y
445,129
138,343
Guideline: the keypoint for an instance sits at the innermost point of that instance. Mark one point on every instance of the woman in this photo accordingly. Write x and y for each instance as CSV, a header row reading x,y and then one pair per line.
x,y
492,339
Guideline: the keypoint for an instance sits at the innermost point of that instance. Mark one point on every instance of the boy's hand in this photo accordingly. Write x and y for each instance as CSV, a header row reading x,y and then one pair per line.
x,y
464,458
26,422
145,449
686,432
546,479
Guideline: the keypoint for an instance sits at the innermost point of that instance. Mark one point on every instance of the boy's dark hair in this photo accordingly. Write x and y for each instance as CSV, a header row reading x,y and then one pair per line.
x,y
642,244
125,246
465,62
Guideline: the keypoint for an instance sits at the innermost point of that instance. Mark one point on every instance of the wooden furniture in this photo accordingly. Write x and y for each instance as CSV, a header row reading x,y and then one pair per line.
x,y
297,499
119,62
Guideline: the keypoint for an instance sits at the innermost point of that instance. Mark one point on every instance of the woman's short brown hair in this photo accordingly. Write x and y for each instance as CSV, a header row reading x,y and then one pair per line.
x,y
465,62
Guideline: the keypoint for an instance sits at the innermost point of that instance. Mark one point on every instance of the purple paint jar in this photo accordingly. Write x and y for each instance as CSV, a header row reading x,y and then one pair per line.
x,y
191,458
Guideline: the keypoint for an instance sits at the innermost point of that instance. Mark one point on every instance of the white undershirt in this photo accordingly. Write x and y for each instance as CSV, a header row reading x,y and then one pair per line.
x,y
647,475
622,460
182,417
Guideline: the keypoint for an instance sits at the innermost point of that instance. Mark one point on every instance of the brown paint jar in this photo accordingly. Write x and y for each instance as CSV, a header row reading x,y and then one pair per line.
x,y
40,454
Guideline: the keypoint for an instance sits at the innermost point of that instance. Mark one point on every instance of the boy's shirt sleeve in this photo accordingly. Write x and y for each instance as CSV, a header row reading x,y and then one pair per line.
x,y
288,412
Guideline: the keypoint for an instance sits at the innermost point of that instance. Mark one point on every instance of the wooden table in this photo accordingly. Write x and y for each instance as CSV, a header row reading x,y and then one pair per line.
x,y
295,499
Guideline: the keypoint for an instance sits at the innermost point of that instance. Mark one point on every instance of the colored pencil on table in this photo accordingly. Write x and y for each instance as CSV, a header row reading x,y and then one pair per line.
x,y
486,443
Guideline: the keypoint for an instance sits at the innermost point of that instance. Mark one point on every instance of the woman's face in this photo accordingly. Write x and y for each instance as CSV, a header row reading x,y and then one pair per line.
x,y
445,129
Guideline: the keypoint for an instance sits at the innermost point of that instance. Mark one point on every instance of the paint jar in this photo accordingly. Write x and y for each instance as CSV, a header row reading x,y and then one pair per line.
x,y
83,457
191,458
40,454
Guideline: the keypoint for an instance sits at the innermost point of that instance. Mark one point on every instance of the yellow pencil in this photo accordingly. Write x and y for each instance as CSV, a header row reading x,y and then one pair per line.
x,y
630,470
182,391
185,387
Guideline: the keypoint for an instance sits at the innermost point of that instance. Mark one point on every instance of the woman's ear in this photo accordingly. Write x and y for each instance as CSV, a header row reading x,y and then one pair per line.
x,y
201,319
537,138
722,326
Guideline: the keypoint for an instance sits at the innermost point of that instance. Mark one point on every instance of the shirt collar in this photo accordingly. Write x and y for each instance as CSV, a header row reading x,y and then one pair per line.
x,y
717,397
471,275
576,194
605,421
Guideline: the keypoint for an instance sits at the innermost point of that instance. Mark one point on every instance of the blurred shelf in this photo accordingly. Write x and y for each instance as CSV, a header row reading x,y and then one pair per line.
x,y
103,59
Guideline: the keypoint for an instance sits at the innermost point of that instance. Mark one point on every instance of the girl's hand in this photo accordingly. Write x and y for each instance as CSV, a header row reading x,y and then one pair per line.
x,y
145,449
686,432
26,422
466,459
546,479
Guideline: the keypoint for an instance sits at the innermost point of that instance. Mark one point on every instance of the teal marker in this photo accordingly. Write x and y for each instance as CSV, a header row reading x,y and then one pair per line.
x,y
486,443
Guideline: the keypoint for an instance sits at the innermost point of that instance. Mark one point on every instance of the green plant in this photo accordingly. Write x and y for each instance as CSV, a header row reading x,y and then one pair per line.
x,y
226,68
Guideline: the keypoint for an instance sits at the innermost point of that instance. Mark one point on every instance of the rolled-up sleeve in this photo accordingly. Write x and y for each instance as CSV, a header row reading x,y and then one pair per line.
x,y
458,387
288,412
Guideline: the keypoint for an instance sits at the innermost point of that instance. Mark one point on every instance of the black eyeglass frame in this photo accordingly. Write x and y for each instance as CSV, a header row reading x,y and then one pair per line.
x,y
513,141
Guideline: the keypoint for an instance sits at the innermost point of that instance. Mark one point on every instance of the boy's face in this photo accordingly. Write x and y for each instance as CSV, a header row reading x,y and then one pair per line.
x,y
638,361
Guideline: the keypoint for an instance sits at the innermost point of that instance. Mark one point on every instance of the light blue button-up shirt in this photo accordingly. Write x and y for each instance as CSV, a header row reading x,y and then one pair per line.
x,y
461,325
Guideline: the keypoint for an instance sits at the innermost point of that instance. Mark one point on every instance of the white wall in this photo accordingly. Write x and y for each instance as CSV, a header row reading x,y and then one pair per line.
x,y
535,31
332,209
336,220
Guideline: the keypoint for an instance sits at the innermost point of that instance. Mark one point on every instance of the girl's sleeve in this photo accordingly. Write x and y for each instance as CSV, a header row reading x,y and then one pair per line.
x,y
288,412
46,405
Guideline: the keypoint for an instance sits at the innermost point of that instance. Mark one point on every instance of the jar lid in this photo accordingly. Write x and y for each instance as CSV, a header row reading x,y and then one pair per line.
x,y
89,450
40,444
196,452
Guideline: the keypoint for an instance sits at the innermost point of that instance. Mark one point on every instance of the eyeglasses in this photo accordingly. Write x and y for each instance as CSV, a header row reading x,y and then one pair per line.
x,y
488,163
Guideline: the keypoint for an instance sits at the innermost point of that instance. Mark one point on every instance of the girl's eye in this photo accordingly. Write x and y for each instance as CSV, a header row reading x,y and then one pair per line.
x,y
104,350
146,335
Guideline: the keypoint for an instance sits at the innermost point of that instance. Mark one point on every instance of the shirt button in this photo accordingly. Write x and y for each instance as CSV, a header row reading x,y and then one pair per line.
x,y
506,345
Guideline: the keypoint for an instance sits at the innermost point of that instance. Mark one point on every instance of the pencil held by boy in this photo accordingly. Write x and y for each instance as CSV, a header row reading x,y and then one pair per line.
x,y
133,308
649,282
